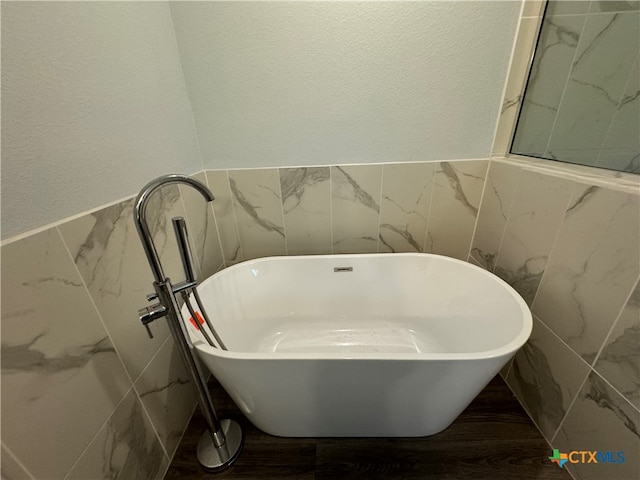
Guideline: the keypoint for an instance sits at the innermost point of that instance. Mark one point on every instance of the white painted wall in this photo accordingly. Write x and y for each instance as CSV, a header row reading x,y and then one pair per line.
x,y
300,83
93,106
94,102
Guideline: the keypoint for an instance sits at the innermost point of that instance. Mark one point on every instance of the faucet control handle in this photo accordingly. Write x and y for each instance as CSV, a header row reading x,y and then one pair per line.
x,y
149,314
149,332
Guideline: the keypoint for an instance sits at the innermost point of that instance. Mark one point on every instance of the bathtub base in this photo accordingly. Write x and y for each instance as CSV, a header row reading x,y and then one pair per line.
x,y
351,397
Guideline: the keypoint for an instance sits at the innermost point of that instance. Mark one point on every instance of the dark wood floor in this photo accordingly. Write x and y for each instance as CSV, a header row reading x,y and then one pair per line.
x,y
492,439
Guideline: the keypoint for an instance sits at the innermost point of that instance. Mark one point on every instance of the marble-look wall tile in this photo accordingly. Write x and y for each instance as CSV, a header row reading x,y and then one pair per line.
x,y
601,420
306,200
619,361
499,191
545,376
535,218
457,190
406,198
10,467
203,234
600,71
593,266
356,208
258,206
556,49
126,448
167,394
61,376
218,181
108,253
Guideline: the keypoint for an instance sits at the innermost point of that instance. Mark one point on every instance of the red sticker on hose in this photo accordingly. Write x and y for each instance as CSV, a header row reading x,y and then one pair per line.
x,y
200,320
193,322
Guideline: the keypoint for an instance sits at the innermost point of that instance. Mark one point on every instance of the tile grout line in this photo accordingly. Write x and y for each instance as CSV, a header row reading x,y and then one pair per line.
x,y
58,223
506,222
590,370
615,114
215,220
359,164
573,401
554,244
562,341
184,430
615,322
579,389
235,216
166,470
432,187
427,191
153,426
549,442
331,204
580,177
590,367
590,13
139,398
95,307
188,219
18,462
155,430
131,382
153,357
566,83
616,390
476,260
526,410
284,224
380,208
513,359
109,417
484,189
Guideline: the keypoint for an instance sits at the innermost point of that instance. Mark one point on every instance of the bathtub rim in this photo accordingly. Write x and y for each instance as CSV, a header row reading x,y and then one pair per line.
x,y
507,349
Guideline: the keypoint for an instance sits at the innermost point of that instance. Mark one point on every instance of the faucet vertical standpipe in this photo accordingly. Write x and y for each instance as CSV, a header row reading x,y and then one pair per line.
x,y
180,227
221,443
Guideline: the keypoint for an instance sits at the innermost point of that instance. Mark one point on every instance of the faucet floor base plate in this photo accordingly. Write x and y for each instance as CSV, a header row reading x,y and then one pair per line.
x,y
214,459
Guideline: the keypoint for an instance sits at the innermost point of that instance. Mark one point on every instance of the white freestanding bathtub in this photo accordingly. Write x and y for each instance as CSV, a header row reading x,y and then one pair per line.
x,y
393,345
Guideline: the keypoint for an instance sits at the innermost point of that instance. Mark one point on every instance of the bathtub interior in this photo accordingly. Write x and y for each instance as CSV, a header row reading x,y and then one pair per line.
x,y
371,305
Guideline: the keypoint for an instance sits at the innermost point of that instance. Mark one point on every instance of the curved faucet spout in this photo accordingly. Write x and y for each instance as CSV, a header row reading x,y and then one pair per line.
x,y
141,215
